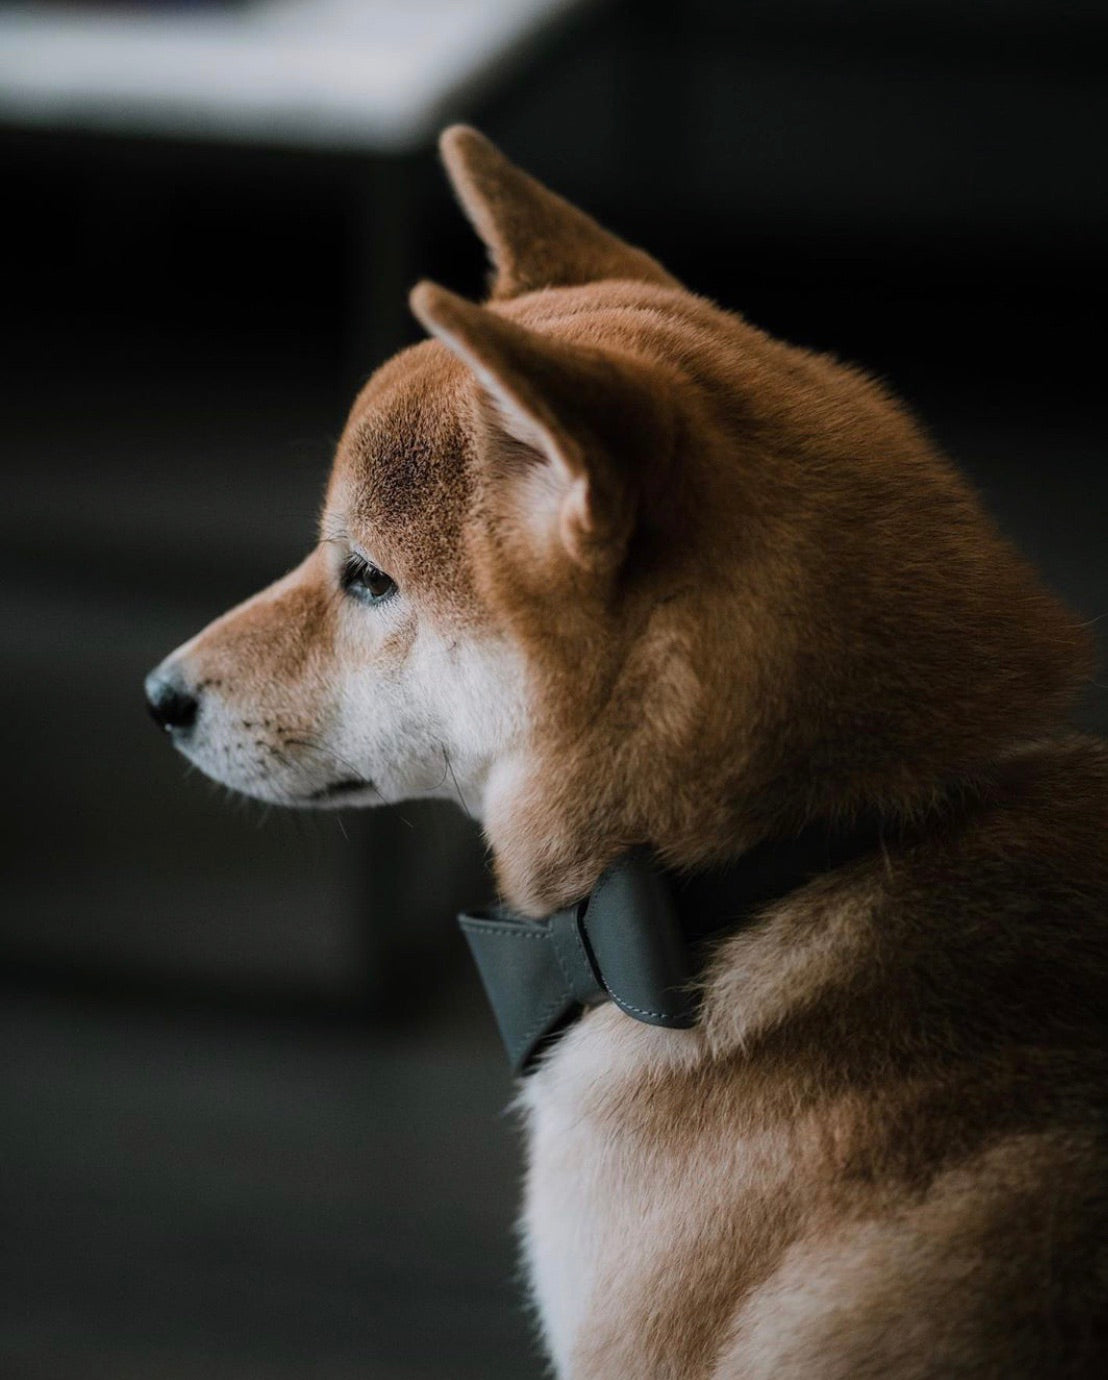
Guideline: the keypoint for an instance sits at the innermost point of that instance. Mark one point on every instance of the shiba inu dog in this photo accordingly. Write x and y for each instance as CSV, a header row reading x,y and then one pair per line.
x,y
641,581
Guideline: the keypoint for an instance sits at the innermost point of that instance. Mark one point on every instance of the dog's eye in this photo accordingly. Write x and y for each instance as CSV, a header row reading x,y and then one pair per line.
x,y
363,580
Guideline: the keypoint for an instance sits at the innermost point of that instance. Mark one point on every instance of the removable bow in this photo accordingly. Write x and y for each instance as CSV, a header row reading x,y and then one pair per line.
x,y
635,939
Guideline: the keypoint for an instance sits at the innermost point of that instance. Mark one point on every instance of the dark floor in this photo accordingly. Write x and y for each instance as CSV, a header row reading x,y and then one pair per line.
x,y
187,1195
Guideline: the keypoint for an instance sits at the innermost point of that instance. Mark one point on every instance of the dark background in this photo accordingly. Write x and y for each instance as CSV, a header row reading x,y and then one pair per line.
x,y
238,1138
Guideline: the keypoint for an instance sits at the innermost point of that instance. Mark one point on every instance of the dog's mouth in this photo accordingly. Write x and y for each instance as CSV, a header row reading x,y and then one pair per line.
x,y
349,785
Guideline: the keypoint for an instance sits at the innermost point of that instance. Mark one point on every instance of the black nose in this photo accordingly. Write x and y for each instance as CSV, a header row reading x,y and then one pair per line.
x,y
171,703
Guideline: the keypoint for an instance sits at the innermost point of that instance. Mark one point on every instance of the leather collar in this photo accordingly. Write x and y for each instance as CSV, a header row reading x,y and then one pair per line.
x,y
637,938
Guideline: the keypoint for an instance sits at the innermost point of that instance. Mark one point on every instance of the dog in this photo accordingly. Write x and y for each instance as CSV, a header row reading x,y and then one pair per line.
x,y
642,582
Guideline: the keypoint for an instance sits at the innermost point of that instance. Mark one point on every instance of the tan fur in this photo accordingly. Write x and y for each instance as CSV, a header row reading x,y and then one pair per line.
x,y
692,588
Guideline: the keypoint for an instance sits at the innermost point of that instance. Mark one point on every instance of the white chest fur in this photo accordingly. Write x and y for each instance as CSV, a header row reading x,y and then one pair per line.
x,y
594,1209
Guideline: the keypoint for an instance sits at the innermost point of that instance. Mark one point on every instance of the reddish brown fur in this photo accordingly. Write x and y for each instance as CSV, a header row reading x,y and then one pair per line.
x,y
911,1063
813,615
402,467
750,594
788,510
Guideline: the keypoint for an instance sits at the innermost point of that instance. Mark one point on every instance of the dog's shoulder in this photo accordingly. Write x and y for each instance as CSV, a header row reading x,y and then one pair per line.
x,y
1025,872
989,930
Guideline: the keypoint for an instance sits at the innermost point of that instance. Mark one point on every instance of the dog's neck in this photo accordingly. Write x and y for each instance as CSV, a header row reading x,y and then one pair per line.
x,y
550,846
639,938
645,935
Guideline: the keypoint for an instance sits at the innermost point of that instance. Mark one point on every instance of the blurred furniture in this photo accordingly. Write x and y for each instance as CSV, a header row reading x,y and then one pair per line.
x,y
375,78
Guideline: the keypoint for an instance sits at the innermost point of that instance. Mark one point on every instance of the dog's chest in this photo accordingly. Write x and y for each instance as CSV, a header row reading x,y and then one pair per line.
x,y
597,1212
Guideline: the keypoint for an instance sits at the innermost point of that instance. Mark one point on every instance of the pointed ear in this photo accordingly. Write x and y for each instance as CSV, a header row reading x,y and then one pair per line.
x,y
575,426
535,239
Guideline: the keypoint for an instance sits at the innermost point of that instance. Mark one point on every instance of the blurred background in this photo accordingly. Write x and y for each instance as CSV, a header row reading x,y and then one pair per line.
x,y
239,1138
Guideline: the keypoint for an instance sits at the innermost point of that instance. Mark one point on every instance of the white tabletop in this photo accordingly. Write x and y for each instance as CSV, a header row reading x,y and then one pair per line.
x,y
372,75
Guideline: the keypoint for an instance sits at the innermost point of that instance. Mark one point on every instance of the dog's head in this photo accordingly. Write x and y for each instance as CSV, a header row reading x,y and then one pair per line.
x,y
614,567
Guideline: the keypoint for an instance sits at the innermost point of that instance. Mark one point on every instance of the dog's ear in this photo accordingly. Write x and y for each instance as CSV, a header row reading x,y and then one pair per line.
x,y
535,238
569,427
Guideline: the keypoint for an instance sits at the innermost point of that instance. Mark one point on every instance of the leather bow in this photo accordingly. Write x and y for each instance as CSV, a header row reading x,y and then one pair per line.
x,y
633,940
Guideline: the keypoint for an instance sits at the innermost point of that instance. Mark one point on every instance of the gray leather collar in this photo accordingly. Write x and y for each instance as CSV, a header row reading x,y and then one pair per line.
x,y
636,939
